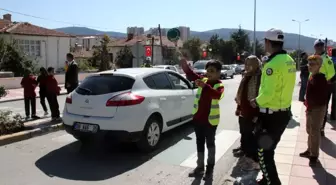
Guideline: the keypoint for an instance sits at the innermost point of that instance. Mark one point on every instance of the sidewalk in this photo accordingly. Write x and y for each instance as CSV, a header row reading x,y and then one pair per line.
x,y
17,94
295,170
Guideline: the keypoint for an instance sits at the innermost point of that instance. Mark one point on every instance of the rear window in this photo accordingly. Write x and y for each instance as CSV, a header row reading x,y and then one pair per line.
x,y
104,84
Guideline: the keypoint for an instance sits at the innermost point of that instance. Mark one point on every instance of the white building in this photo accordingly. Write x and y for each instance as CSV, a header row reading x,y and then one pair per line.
x,y
185,33
46,47
86,41
135,30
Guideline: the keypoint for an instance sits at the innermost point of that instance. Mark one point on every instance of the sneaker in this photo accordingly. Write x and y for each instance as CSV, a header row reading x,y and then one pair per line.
x,y
197,172
313,161
250,165
27,118
239,153
262,182
305,154
35,117
236,149
46,113
208,173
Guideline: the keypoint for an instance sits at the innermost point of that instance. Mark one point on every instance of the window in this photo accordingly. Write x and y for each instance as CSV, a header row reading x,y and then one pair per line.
x,y
160,80
104,84
30,47
178,82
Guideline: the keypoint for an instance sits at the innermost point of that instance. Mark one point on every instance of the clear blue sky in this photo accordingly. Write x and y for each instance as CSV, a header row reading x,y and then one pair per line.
x,y
199,15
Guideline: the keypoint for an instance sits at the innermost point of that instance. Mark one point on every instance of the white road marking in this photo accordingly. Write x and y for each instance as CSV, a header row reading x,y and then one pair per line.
x,y
224,140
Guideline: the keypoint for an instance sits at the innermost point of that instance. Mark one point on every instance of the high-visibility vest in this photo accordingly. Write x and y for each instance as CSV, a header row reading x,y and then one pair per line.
x,y
214,110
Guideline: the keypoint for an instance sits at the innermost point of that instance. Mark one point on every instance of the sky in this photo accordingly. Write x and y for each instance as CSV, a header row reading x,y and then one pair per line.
x,y
199,15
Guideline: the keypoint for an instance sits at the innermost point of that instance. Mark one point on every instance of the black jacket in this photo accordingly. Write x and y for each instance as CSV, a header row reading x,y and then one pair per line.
x,y
304,68
71,75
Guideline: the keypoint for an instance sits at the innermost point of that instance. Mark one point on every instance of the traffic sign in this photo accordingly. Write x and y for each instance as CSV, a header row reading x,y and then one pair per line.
x,y
148,51
173,34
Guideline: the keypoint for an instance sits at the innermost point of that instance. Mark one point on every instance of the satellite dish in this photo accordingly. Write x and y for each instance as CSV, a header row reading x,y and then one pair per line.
x,y
173,35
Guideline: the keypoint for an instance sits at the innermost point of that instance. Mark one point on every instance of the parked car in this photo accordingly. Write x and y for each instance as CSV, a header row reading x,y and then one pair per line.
x,y
227,71
199,67
169,67
130,104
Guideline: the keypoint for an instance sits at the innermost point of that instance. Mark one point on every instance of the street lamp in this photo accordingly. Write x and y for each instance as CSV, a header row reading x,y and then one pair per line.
x,y
254,29
299,49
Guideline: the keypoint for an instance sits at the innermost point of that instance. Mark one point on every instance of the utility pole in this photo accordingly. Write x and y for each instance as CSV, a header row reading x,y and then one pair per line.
x,y
159,27
299,44
153,39
254,30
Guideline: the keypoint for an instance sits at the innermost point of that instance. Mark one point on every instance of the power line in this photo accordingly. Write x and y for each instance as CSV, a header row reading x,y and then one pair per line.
x,y
46,19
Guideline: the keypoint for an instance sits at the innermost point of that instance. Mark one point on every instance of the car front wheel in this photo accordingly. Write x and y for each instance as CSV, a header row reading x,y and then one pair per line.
x,y
151,135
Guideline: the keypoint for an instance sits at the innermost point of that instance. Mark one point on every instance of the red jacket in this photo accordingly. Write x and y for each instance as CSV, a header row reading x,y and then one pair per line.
x,y
317,91
208,93
29,84
52,85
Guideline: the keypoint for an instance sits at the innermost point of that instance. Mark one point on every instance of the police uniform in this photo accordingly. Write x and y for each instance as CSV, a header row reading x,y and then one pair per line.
x,y
274,101
328,70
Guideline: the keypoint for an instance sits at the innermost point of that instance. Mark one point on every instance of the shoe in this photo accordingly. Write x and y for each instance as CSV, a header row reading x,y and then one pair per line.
x,y
208,173
27,118
322,133
35,117
46,113
313,161
236,149
305,154
239,153
262,182
197,172
250,165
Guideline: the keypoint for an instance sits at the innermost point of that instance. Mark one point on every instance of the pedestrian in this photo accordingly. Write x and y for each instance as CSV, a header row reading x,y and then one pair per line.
x,y
29,84
304,74
274,101
248,115
53,90
333,99
71,74
316,103
328,70
206,114
42,81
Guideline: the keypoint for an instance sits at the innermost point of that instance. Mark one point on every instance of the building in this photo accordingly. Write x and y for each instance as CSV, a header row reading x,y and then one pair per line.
x,y
135,30
185,33
138,44
45,46
87,42
155,31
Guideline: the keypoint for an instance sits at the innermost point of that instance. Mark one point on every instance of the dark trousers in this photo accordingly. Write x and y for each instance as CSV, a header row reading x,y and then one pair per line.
x,y
304,80
30,102
53,104
273,125
333,102
205,133
71,88
248,140
331,90
43,97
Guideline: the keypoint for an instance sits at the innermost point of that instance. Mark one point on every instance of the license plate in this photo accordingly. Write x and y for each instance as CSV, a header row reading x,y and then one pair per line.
x,y
84,127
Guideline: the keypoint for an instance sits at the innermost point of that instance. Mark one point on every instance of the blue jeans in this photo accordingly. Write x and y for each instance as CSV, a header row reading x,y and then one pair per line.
x,y
304,81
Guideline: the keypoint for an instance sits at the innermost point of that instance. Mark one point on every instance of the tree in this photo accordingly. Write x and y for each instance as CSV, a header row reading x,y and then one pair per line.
x,y
259,49
124,58
104,55
227,51
193,47
242,40
214,46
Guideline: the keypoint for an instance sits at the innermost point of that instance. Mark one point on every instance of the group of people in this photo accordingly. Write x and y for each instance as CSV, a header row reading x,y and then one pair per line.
x,y
263,102
48,89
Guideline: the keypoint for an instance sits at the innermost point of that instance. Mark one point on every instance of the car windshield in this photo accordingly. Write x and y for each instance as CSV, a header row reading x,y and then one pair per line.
x,y
225,67
199,65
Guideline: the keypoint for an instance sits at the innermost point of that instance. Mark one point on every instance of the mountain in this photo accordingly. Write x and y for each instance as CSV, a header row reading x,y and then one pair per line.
x,y
291,39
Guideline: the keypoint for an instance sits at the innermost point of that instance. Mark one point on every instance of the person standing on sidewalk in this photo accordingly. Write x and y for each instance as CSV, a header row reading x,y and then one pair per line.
x,y
248,90
333,99
274,101
71,74
29,84
206,114
316,103
328,70
53,90
41,80
303,76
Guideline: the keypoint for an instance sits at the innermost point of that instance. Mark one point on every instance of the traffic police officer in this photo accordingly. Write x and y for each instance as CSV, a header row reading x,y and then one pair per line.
x,y
274,101
327,69
147,63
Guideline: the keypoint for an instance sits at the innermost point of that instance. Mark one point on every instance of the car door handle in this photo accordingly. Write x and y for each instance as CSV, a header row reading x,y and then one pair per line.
x,y
183,97
163,99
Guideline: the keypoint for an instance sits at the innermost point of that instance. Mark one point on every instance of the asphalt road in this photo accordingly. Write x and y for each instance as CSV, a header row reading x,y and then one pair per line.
x,y
57,158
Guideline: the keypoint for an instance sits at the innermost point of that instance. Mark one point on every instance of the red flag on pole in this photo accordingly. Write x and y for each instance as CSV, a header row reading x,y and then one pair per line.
x,y
329,48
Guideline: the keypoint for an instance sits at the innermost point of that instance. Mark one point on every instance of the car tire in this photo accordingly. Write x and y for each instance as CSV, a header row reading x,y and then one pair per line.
x,y
224,77
151,134
232,76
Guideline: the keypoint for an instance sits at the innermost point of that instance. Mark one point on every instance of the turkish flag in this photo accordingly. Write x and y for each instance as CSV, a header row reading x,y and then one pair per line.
x,y
148,51
329,50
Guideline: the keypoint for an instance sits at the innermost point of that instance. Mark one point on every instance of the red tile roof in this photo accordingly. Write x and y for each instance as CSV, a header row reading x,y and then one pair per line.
x,y
3,24
24,28
142,39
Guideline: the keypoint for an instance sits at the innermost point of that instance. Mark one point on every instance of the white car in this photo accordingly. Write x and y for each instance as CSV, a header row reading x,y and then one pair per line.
x,y
131,104
169,67
227,71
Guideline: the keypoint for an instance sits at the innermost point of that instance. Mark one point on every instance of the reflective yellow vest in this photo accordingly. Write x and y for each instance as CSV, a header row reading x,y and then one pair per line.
x,y
327,67
214,110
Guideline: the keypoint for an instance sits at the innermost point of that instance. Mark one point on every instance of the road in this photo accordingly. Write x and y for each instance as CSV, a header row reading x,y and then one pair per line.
x,y
58,158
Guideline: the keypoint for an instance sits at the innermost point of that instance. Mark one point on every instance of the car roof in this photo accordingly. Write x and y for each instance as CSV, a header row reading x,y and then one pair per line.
x,y
202,61
163,66
134,72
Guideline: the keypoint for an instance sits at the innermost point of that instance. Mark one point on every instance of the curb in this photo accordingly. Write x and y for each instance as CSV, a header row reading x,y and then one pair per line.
x,y
18,99
27,134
